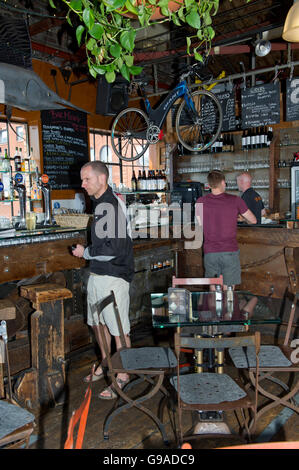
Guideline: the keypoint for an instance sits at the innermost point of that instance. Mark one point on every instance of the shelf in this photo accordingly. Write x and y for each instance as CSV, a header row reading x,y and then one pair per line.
x,y
16,171
152,191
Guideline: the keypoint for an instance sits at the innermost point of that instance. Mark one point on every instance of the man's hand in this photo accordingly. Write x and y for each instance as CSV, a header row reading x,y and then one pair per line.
x,y
78,251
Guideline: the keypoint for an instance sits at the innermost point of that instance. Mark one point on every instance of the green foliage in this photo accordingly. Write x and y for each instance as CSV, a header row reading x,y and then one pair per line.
x,y
109,35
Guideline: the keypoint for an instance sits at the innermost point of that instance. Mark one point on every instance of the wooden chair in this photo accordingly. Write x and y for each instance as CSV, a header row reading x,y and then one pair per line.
x,y
16,423
272,360
146,364
212,391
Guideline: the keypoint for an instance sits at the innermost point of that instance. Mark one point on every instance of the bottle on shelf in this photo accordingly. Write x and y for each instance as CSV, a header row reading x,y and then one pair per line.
x,y
248,140
220,148
231,143
144,181
139,181
1,190
244,140
17,160
6,162
269,136
133,182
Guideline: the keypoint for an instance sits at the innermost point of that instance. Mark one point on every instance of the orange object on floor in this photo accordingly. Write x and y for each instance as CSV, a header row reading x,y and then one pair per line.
x,y
80,415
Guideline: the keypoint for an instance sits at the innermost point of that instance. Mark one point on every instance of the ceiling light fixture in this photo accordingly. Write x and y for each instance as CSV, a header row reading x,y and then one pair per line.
x,y
262,47
291,26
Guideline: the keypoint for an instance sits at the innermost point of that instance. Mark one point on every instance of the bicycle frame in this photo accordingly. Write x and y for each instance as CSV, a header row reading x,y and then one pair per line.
x,y
157,116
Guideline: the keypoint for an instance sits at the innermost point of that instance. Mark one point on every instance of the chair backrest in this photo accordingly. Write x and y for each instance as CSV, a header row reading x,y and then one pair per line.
x,y
200,281
216,342
99,307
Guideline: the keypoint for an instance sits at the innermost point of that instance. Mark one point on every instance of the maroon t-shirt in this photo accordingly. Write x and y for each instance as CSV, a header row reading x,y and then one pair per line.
x,y
219,216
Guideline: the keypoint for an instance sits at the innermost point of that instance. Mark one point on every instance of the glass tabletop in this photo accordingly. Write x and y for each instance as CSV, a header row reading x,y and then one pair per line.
x,y
204,308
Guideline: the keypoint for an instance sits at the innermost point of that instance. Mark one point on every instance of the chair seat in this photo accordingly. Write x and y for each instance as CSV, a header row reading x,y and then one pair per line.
x,y
269,356
12,417
208,388
148,358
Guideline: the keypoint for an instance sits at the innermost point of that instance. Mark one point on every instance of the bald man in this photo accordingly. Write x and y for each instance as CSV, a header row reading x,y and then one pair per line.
x,y
252,199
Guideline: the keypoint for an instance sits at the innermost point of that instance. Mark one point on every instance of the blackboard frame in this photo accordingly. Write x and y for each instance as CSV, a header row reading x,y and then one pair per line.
x,y
260,105
65,148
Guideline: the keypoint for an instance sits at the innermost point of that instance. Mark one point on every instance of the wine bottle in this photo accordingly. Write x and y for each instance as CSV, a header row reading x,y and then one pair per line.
x,y
244,140
17,160
269,136
139,181
133,182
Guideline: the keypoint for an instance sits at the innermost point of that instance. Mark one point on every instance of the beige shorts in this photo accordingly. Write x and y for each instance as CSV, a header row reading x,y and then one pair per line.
x,y
98,288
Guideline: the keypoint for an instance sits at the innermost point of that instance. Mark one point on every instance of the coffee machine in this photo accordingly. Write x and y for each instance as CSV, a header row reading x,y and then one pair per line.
x,y
187,192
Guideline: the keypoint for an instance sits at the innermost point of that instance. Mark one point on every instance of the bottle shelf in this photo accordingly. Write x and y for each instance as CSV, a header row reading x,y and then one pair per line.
x,y
149,191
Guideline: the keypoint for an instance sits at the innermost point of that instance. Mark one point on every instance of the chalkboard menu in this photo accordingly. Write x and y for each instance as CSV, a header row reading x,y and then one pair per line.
x,y
260,105
227,101
292,99
65,146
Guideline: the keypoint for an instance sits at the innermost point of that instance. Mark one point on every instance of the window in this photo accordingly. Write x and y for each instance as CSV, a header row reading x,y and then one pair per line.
x,y
119,170
3,136
20,133
106,154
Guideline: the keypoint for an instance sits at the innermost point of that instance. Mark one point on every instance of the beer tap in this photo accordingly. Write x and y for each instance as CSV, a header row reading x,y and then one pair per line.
x,y
21,190
42,183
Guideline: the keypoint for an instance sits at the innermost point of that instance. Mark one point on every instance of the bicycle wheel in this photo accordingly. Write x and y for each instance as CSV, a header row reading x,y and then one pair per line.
x,y
128,134
198,129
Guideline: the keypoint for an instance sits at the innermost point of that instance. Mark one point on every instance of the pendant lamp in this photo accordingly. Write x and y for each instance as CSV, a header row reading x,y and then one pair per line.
x,y
291,26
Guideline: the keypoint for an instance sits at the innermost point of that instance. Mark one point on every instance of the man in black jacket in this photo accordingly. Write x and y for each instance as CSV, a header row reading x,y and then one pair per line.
x,y
111,262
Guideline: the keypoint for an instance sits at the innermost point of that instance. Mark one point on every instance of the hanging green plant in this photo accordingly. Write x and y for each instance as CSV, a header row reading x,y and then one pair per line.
x,y
108,29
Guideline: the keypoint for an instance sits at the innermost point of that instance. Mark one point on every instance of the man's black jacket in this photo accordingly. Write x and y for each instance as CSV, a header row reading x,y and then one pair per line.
x,y
111,249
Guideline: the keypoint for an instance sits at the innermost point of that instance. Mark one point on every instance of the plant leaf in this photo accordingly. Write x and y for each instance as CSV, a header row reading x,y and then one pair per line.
x,y
88,18
115,50
115,4
193,18
131,8
76,5
125,72
79,32
110,76
129,60
135,70
188,39
91,43
96,31
52,4
127,39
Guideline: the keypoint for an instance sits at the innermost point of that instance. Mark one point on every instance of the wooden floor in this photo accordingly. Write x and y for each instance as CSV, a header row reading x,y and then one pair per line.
x,y
132,429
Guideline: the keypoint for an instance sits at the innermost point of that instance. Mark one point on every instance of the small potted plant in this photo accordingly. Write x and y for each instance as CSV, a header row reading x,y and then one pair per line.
x,y
108,29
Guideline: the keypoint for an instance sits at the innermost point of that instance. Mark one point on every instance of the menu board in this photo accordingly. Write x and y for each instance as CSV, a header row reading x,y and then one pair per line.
x,y
65,146
292,99
227,101
260,105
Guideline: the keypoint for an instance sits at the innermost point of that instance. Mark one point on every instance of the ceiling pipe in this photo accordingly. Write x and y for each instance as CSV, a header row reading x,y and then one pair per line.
x,y
235,76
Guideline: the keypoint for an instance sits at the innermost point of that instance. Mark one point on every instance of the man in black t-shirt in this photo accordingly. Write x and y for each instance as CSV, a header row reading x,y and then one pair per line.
x,y
250,196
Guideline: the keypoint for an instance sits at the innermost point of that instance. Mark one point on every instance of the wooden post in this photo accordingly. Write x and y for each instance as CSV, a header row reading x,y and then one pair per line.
x,y
47,340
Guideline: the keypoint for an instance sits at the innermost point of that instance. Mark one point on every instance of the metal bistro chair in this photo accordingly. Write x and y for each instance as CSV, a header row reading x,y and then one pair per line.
x,y
147,364
16,423
272,359
212,391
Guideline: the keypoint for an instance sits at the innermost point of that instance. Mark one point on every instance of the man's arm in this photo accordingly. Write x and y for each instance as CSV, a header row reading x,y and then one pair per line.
x,y
249,217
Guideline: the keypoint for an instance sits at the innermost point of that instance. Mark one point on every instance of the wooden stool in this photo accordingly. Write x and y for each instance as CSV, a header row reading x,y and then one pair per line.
x,y
47,346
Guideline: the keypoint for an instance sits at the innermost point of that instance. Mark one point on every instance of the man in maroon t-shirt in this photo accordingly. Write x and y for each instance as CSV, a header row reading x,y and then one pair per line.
x,y
218,212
